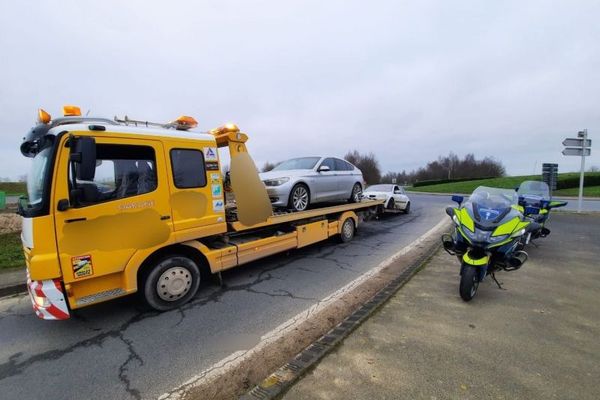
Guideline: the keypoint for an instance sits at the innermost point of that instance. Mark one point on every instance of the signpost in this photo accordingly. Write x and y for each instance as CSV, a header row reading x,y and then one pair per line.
x,y
550,175
579,146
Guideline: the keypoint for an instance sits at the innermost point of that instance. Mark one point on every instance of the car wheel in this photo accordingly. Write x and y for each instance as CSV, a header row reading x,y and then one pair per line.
x,y
391,204
170,283
407,208
355,194
299,197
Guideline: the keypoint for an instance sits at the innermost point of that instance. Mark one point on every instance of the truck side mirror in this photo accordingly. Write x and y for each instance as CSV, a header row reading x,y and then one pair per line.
x,y
83,154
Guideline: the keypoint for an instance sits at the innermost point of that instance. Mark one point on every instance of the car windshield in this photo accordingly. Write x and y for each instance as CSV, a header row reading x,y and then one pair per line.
x,y
297,163
37,175
490,203
379,188
534,188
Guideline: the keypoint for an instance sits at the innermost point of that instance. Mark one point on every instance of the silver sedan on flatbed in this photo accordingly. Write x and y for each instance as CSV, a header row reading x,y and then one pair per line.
x,y
300,182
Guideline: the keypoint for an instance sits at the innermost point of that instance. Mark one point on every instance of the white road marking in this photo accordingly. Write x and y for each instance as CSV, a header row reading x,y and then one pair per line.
x,y
233,360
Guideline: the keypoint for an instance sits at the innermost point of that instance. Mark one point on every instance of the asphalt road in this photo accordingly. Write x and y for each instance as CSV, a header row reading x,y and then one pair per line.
x,y
116,351
536,339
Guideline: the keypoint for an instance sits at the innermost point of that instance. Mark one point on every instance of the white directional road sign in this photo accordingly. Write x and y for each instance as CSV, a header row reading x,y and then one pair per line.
x,y
573,142
580,146
576,152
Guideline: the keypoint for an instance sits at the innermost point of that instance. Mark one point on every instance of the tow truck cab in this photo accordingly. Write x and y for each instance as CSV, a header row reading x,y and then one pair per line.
x,y
117,205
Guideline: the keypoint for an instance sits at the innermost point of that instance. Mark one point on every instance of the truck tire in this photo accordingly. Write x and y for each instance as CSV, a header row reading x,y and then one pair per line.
x,y
170,282
347,231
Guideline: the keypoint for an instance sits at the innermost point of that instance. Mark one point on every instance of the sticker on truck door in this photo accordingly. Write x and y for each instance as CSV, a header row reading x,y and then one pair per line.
x,y
218,205
216,191
82,266
210,154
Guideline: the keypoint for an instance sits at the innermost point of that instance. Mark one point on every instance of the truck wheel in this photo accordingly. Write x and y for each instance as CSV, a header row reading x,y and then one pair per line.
x,y
355,194
469,282
170,283
348,230
299,197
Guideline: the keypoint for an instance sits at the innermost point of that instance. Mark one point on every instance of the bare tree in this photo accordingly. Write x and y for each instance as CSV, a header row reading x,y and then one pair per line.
x,y
367,163
268,166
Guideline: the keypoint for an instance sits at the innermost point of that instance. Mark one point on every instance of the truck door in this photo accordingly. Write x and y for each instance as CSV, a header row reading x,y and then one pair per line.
x,y
124,209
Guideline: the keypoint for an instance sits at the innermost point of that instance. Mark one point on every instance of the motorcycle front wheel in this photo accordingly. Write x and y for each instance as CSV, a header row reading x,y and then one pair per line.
x,y
469,282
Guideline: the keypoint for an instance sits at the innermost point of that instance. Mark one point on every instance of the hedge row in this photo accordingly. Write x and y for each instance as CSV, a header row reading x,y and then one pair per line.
x,y
438,181
573,181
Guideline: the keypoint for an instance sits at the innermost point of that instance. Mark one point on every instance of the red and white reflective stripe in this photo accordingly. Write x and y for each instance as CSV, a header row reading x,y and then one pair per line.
x,y
51,290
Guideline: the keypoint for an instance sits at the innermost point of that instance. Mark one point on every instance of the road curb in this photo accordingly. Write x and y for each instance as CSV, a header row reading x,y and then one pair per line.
x,y
12,290
283,378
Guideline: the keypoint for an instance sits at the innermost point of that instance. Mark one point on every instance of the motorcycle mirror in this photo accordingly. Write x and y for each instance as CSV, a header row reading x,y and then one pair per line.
x,y
458,199
545,203
450,211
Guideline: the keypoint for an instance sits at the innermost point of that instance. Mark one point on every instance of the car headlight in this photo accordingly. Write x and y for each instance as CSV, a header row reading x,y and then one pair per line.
x,y
276,182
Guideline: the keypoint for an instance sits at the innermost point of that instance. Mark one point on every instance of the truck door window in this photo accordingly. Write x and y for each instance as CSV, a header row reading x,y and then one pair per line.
x,y
121,171
188,168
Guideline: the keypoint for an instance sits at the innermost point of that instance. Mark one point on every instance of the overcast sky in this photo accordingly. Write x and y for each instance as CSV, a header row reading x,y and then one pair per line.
x,y
406,80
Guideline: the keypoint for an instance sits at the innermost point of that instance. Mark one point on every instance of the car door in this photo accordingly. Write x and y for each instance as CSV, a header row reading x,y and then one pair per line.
x,y
346,179
399,196
326,182
124,209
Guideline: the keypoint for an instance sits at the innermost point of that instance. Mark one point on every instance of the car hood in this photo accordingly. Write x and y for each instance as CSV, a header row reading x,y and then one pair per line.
x,y
290,173
368,192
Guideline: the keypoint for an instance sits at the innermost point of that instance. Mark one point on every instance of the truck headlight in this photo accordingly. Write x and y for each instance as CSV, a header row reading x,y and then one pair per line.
x,y
276,182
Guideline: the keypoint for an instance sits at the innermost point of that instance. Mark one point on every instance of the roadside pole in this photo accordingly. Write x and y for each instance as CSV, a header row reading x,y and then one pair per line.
x,y
580,146
584,137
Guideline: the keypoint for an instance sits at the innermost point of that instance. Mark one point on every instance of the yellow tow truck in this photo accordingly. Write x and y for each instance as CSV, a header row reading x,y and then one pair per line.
x,y
117,206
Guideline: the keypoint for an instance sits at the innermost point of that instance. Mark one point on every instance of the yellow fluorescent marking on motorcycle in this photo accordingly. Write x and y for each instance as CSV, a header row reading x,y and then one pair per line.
x,y
465,219
476,262
507,227
519,208
543,211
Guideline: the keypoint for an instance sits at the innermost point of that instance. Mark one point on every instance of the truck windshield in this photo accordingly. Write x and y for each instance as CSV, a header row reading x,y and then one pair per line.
x,y
297,163
36,178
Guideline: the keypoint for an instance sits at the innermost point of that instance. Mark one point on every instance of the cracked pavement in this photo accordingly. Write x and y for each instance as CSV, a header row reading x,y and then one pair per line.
x,y
116,350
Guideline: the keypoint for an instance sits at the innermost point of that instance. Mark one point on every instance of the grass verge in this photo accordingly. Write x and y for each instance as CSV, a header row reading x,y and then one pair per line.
x,y
590,191
507,182
11,251
13,188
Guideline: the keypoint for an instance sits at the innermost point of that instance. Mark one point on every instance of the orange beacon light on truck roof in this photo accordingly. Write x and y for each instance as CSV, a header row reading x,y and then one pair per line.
x,y
71,111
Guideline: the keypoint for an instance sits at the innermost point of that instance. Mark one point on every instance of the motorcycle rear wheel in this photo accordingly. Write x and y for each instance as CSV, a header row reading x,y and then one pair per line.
x,y
469,283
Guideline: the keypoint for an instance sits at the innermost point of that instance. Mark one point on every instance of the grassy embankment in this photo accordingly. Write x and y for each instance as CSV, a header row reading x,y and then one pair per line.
x,y
508,182
13,188
11,252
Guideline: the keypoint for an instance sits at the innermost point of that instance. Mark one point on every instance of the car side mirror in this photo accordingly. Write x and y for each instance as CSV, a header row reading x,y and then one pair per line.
x,y
458,199
324,168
